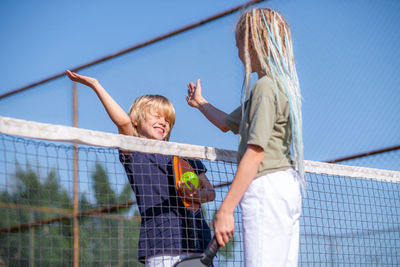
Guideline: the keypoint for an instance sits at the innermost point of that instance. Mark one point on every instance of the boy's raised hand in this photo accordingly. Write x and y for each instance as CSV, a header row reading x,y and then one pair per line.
x,y
88,81
189,194
194,97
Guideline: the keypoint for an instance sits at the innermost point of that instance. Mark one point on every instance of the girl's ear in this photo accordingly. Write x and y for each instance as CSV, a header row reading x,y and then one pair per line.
x,y
135,123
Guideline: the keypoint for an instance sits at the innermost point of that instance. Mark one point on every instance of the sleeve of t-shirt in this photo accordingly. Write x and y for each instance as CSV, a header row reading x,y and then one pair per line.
x,y
233,120
125,158
261,117
127,163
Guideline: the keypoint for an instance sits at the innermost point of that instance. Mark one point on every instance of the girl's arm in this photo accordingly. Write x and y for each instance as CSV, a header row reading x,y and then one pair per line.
x,y
224,220
116,113
196,100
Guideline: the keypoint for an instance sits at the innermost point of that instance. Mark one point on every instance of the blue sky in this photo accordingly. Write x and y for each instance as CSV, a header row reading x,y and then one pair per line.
x,y
347,56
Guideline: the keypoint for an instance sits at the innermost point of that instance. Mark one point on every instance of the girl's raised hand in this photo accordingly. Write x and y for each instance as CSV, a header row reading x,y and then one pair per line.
x,y
194,97
88,81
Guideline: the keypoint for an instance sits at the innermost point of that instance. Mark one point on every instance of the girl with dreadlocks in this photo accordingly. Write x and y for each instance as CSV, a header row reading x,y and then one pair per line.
x,y
267,182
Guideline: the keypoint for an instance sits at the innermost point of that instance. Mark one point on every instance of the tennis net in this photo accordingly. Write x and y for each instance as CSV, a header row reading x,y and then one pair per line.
x,y
64,204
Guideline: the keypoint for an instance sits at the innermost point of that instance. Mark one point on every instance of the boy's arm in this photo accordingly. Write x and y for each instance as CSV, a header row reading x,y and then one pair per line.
x,y
206,191
115,112
203,193
213,114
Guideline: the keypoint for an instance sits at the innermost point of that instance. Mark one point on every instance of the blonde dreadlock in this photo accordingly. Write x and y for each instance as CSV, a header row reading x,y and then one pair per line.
x,y
265,31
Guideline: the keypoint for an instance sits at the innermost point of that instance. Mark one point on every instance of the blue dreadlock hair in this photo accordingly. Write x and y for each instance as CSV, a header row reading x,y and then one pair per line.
x,y
270,37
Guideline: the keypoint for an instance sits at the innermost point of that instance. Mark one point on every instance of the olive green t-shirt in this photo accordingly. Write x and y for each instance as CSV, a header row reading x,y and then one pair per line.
x,y
266,124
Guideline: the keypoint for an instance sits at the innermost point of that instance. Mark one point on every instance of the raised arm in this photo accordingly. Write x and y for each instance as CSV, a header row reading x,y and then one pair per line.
x,y
116,113
196,100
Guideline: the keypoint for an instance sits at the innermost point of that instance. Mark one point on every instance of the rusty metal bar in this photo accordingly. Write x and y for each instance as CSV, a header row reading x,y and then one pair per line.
x,y
361,155
93,212
68,217
35,208
135,47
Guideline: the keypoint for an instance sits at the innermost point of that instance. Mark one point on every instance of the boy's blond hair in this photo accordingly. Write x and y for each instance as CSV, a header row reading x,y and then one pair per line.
x,y
143,105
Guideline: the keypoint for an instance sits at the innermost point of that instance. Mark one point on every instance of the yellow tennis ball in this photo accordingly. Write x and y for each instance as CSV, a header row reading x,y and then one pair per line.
x,y
192,177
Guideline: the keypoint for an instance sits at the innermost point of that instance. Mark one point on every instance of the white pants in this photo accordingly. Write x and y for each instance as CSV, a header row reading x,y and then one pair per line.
x,y
170,260
271,209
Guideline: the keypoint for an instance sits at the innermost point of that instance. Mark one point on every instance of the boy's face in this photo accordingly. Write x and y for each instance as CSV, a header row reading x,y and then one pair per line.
x,y
155,126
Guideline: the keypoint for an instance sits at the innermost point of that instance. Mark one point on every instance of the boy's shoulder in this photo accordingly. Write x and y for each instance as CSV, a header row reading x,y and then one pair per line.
x,y
141,157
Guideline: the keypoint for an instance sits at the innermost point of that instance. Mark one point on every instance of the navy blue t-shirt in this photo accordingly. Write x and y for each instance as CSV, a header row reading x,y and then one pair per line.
x,y
166,226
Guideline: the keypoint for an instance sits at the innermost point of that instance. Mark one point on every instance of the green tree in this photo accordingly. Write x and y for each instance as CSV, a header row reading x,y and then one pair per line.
x,y
108,239
40,245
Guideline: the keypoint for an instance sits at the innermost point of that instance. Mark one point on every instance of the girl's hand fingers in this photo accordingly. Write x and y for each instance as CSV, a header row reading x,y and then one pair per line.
x,y
192,86
226,238
198,84
220,239
224,227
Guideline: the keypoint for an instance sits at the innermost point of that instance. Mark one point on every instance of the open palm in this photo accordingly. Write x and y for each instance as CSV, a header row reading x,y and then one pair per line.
x,y
194,97
89,81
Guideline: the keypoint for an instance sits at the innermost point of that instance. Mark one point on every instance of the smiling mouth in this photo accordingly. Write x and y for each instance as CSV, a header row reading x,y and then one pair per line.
x,y
159,130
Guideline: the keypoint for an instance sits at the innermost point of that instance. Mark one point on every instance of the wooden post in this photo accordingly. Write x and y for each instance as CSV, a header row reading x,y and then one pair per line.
x,y
76,201
120,243
32,243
